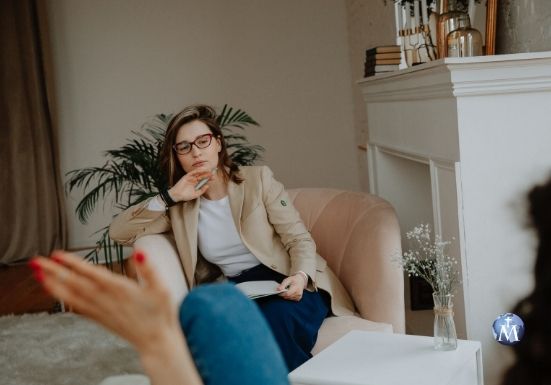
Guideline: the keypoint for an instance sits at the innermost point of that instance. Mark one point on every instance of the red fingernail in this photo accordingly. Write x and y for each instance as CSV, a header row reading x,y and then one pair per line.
x,y
56,258
39,275
139,256
34,265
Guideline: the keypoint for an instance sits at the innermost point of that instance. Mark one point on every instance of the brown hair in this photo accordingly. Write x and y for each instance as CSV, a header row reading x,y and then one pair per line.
x,y
168,159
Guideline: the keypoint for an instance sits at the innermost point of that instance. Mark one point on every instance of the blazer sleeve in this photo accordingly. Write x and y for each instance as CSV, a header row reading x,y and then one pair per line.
x,y
137,221
288,225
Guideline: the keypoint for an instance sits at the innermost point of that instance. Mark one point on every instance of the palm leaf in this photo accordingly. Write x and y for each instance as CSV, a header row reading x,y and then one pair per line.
x,y
238,118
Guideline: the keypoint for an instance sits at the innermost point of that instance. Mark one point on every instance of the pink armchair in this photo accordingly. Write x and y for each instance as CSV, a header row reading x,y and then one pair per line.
x,y
359,236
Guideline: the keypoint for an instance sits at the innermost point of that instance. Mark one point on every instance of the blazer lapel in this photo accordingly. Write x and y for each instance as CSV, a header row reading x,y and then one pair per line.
x,y
236,193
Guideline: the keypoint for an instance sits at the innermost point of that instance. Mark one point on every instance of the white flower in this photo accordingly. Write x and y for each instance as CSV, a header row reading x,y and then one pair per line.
x,y
429,260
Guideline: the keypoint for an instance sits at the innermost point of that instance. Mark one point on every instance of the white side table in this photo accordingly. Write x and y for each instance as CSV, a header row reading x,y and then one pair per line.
x,y
370,358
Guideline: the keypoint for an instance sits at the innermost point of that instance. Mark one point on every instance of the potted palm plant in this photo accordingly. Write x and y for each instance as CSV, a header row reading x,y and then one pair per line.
x,y
131,173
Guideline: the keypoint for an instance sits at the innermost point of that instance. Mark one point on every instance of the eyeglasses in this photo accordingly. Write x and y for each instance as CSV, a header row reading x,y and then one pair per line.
x,y
184,147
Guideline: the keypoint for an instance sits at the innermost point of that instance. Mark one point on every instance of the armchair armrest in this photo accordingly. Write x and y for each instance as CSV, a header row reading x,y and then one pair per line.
x,y
161,251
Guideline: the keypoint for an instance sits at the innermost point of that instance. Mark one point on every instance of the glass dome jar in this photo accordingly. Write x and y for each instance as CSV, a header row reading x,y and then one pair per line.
x,y
464,41
447,22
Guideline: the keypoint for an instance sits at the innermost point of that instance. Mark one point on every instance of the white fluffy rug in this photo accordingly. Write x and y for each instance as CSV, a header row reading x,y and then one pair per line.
x,y
60,349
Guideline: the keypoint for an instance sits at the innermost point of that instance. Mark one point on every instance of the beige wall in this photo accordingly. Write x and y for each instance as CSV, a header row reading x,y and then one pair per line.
x,y
370,24
286,62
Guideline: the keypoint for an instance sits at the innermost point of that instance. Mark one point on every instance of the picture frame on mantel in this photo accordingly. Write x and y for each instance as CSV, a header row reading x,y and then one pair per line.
x,y
410,21
490,33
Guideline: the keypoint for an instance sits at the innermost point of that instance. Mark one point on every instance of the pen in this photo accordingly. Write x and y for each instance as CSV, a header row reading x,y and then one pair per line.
x,y
205,180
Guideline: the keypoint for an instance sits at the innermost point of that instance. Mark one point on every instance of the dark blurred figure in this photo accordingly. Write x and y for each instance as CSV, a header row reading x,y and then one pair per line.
x,y
533,352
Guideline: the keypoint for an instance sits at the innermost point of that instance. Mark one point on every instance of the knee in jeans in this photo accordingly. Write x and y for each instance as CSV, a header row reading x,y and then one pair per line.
x,y
210,299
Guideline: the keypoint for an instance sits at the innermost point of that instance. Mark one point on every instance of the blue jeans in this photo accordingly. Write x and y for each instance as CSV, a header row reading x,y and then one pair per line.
x,y
229,338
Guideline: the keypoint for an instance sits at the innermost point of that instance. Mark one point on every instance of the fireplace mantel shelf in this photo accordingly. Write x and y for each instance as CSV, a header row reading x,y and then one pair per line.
x,y
474,76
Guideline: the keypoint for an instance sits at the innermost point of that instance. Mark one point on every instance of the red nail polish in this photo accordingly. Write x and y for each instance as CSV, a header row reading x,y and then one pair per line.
x,y
139,256
39,275
56,258
34,265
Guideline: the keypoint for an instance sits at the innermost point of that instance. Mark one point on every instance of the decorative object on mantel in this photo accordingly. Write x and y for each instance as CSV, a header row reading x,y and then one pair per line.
x,y
415,26
382,59
448,21
464,41
423,26
428,260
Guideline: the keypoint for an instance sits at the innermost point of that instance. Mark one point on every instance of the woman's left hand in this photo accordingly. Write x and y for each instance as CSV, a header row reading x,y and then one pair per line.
x,y
295,284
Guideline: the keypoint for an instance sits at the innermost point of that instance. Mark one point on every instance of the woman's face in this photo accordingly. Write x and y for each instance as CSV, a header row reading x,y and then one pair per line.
x,y
205,158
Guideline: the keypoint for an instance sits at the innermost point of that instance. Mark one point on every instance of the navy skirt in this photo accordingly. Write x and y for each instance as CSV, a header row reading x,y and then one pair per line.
x,y
295,325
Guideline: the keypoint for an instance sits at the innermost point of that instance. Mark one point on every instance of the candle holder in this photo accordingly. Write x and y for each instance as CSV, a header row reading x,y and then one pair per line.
x,y
429,46
415,33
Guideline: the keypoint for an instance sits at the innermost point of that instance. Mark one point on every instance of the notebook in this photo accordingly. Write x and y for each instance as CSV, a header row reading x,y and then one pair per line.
x,y
259,289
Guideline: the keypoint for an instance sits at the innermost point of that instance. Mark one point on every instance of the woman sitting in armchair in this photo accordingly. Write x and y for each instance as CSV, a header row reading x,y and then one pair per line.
x,y
240,224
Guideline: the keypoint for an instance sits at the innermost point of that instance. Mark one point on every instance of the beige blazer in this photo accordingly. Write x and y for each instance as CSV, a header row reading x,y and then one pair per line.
x,y
267,222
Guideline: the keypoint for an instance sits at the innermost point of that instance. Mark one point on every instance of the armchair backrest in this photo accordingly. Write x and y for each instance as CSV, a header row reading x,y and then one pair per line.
x,y
359,236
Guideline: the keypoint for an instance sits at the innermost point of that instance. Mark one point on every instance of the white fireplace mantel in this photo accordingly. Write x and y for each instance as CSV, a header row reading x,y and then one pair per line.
x,y
457,143
474,76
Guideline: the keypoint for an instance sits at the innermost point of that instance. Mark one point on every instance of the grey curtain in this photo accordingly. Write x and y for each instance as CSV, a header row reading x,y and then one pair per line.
x,y
31,195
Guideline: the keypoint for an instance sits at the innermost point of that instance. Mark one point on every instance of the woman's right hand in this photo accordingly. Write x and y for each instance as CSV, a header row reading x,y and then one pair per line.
x,y
184,189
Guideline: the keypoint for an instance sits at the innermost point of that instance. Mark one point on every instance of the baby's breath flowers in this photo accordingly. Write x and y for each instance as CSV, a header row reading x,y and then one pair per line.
x,y
428,260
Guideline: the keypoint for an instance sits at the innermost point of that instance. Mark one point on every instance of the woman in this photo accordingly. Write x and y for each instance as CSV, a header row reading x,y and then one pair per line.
x,y
242,225
145,317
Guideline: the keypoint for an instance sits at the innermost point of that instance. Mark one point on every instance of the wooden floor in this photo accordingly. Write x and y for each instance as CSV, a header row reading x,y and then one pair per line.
x,y
20,293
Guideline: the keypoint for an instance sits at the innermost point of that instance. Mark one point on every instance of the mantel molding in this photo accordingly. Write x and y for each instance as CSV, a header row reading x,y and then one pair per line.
x,y
463,77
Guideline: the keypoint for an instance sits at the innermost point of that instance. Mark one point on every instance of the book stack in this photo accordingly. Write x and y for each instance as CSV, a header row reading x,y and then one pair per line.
x,y
382,59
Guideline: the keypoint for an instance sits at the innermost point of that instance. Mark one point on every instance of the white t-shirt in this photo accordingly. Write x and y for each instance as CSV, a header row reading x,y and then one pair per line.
x,y
218,239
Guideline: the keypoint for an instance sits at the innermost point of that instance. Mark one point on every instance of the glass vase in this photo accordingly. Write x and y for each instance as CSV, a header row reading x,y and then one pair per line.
x,y
445,337
464,41
447,22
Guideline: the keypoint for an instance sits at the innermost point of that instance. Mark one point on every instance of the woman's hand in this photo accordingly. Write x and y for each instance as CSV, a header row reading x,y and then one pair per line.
x,y
142,314
135,313
184,189
295,284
